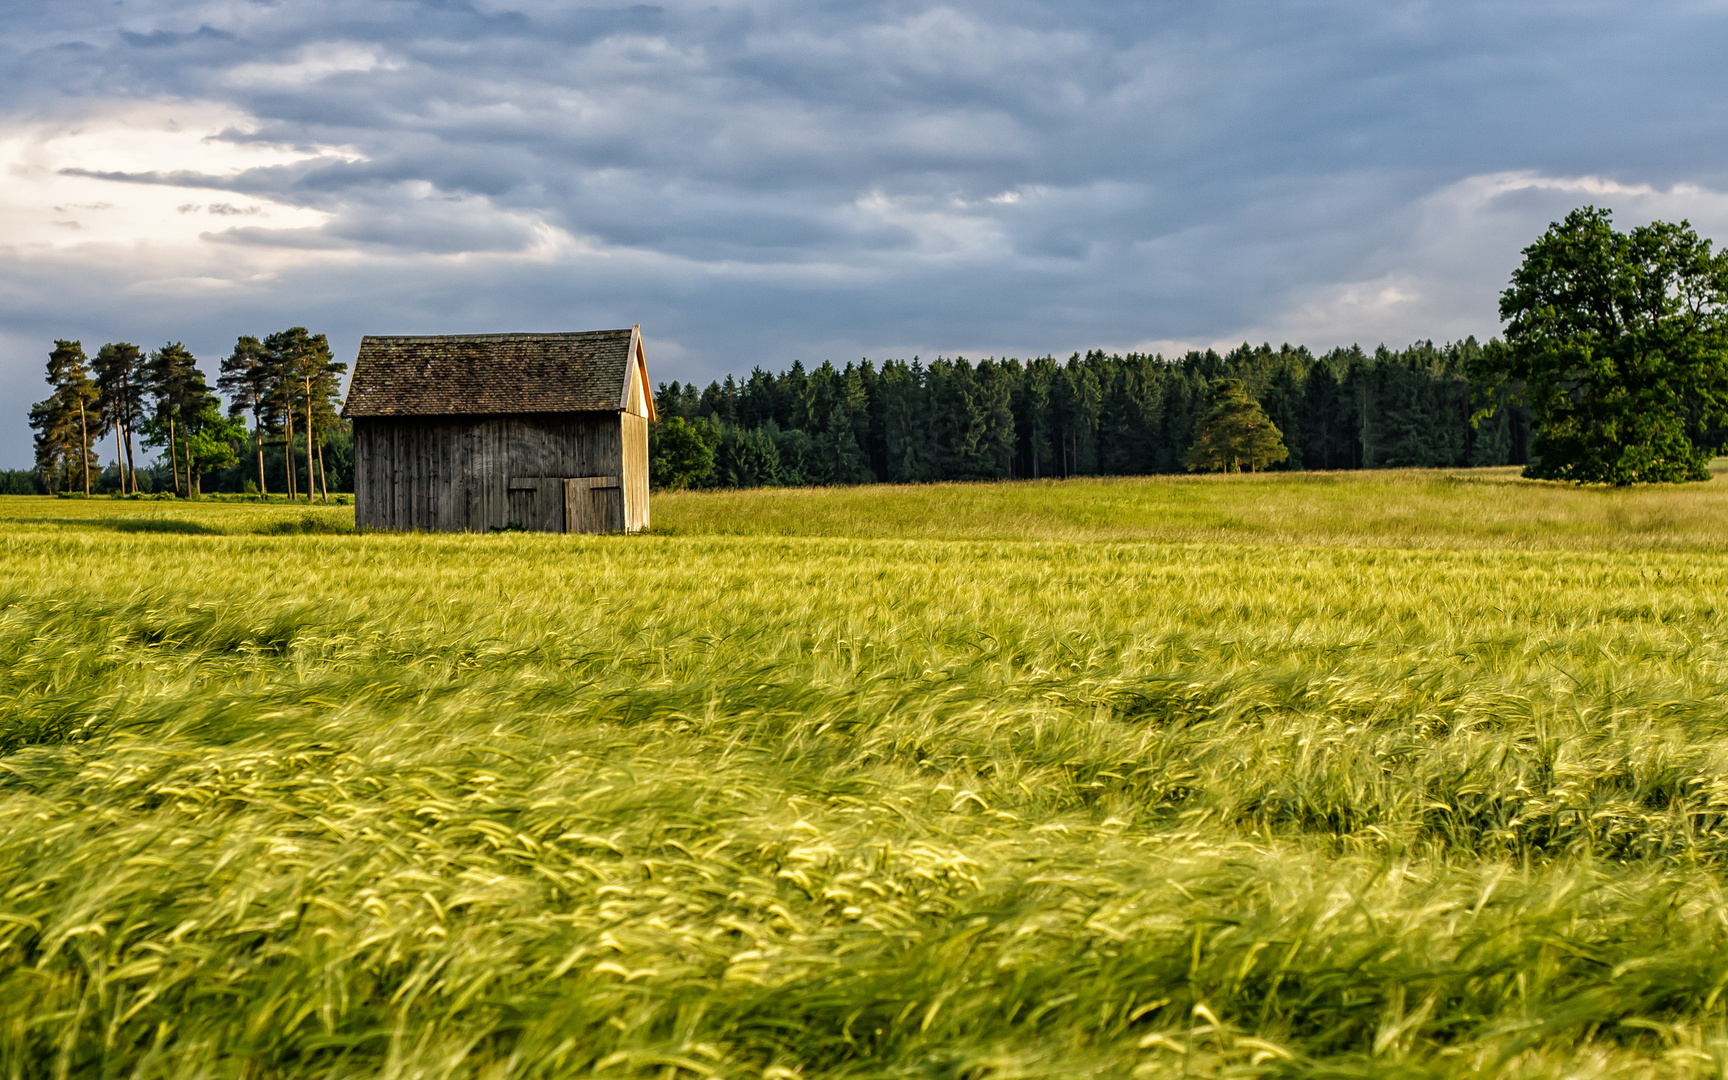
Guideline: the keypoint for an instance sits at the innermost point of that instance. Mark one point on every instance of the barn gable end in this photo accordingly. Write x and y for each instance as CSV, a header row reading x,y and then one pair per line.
x,y
479,432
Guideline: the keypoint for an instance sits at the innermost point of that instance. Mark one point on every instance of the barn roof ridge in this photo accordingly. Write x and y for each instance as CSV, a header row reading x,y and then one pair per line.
x,y
499,335
476,374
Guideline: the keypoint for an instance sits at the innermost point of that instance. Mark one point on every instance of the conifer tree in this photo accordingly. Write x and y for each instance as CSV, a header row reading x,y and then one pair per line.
x,y
120,382
179,394
304,386
67,422
1236,435
246,378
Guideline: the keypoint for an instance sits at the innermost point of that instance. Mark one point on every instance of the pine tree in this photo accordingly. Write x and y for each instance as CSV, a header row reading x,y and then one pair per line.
x,y
1236,434
1036,416
905,443
67,423
304,383
246,379
994,448
179,393
120,382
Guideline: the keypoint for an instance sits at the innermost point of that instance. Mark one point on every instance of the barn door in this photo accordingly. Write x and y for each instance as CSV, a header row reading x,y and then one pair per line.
x,y
593,504
537,503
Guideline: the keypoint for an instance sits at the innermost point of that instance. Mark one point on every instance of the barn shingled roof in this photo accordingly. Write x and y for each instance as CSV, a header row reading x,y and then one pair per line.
x,y
455,374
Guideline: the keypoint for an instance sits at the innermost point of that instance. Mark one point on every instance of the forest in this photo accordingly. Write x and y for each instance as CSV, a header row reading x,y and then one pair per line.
x,y
902,422
1097,414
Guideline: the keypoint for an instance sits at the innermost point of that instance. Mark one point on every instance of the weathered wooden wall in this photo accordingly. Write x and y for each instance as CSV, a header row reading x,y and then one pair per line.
x,y
635,435
478,473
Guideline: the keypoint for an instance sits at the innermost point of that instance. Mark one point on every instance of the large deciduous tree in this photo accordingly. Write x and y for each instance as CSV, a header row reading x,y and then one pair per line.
x,y
1236,434
1621,343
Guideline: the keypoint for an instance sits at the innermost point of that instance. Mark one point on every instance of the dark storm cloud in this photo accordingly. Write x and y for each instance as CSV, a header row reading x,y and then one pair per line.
x,y
754,181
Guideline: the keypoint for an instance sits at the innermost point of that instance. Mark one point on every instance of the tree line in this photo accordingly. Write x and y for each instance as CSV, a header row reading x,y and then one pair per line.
x,y
283,392
1094,414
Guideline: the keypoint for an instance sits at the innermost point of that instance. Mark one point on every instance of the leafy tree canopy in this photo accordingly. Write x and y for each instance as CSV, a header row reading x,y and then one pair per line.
x,y
1621,342
678,457
1236,435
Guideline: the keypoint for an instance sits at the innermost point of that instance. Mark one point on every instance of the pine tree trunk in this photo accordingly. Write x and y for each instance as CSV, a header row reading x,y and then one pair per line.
x,y
258,437
84,447
288,453
119,456
173,455
131,464
323,477
191,481
311,485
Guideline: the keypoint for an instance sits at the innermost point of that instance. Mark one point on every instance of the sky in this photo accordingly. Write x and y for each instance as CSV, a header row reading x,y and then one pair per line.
x,y
760,181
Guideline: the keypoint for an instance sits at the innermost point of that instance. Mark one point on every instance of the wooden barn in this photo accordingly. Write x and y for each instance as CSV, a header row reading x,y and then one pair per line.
x,y
475,432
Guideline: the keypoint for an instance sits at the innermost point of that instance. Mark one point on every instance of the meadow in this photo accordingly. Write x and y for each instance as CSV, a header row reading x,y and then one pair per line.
x,y
1349,775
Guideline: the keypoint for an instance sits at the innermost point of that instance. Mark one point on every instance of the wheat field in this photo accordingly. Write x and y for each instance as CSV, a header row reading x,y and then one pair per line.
x,y
1346,776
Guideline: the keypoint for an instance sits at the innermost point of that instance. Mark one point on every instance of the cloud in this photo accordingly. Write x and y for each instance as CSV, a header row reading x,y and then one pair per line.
x,y
314,63
761,180
157,39
95,174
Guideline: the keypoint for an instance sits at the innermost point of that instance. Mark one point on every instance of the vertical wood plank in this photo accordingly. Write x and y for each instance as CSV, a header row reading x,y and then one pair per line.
x,y
472,517
446,480
404,478
379,473
417,477
496,474
482,473
374,458
410,469
361,458
392,518
428,475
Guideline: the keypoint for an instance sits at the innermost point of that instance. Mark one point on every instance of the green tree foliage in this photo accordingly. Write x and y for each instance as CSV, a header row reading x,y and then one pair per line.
x,y
287,384
678,457
744,457
249,380
304,383
1621,343
188,421
21,482
1236,435
122,382
1097,414
68,422
211,442
180,396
